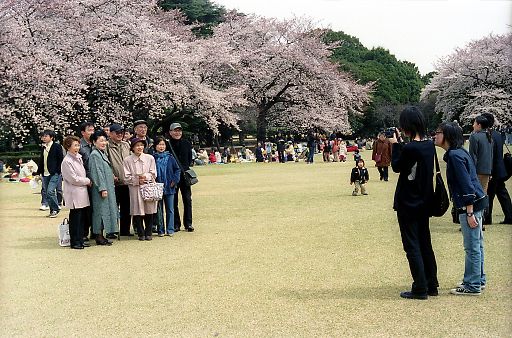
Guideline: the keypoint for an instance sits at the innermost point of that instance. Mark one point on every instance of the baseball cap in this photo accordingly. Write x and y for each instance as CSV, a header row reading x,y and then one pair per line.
x,y
175,125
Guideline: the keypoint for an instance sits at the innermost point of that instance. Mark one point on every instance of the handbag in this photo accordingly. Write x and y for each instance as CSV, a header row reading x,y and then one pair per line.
x,y
63,232
378,157
152,191
440,200
189,175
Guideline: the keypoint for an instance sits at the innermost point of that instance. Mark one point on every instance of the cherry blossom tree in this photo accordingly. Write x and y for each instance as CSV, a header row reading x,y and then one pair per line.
x,y
289,79
66,61
475,79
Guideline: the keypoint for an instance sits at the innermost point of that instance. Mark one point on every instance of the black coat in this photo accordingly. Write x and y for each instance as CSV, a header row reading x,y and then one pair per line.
x,y
183,150
415,188
55,157
498,166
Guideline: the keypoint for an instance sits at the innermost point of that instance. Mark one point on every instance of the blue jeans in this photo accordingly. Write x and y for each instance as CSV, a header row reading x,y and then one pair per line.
x,y
50,184
311,154
474,275
59,193
168,201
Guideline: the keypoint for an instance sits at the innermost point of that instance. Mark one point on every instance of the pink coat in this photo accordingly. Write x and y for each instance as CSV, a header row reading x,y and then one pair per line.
x,y
74,182
133,167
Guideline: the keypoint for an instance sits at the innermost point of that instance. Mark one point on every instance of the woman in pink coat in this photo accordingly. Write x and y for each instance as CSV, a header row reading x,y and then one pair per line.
x,y
140,168
76,196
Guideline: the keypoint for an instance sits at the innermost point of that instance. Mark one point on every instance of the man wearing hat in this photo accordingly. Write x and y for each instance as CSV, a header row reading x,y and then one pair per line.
x,y
140,128
117,150
183,151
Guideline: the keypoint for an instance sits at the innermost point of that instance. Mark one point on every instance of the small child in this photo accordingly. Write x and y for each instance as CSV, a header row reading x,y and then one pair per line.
x,y
359,177
357,156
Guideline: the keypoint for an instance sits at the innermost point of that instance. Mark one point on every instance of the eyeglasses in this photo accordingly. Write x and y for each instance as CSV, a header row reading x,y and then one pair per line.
x,y
439,132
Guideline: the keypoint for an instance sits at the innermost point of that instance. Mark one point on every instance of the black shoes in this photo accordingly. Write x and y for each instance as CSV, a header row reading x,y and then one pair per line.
x,y
86,245
79,247
433,293
111,236
103,241
189,229
410,295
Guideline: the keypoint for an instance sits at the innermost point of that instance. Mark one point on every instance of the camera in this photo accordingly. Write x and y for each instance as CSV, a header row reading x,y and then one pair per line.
x,y
390,132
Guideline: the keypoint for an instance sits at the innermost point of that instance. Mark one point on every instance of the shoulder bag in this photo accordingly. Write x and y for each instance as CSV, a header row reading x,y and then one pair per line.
x,y
440,200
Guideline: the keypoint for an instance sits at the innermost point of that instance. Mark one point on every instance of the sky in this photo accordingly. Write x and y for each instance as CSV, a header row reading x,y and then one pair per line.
x,y
419,31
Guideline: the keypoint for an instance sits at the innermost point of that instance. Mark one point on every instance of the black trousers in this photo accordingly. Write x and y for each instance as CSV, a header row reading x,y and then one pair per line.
x,y
76,226
498,189
123,203
383,171
186,197
415,233
148,222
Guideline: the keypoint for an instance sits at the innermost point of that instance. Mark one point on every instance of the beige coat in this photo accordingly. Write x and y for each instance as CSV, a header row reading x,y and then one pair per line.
x,y
133,167
74,182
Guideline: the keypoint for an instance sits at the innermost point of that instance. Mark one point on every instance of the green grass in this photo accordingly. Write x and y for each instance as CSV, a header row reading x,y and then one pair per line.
x,y
279,250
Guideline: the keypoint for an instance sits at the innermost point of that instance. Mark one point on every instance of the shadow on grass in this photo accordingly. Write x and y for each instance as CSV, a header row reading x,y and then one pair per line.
x,y
383,292
40,243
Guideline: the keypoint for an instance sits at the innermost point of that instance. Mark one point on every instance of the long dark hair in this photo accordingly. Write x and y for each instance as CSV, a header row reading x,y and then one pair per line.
x,y
485,124
452,134
413,122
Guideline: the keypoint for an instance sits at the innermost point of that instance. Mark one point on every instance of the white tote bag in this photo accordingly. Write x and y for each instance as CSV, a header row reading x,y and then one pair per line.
x,y
63,231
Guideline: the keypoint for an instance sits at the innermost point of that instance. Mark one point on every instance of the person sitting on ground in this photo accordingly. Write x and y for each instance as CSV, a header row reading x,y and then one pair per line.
x,y
27,170
359,176
290,152
226,155
218,158
211,158
202,157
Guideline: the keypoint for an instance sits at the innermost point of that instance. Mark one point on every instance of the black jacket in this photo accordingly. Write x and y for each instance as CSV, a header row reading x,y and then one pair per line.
x,y
359,175
498,166
55,157
183,150
415,188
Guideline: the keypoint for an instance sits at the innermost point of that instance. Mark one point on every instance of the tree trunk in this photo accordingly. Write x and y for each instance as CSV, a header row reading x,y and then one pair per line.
x,y
262,124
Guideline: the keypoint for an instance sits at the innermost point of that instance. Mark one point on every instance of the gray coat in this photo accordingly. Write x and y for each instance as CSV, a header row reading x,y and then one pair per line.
x,y
480,150
104,210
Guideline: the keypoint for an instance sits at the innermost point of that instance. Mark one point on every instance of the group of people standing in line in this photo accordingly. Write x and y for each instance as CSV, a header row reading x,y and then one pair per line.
x,y
102,175
468,180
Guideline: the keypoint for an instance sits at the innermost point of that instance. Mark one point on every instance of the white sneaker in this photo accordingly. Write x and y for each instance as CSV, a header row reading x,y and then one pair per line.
x,y
53,214
44,207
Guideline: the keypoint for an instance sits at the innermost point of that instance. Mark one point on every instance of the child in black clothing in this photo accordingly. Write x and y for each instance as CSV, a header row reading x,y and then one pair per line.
x,y
359,177
357,156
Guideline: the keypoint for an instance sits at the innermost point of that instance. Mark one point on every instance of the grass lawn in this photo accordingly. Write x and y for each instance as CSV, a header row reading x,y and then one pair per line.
x,y
280,250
